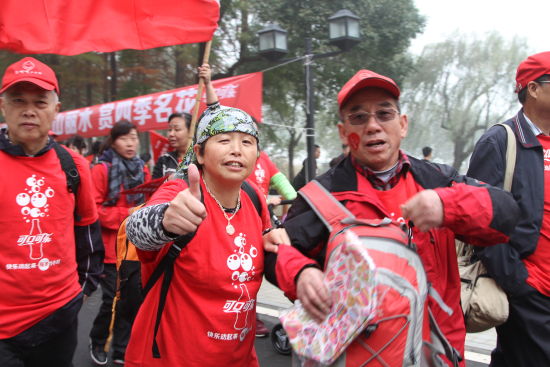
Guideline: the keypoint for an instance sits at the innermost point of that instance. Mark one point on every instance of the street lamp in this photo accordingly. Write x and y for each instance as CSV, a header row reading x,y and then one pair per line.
x,y
343,33
273,42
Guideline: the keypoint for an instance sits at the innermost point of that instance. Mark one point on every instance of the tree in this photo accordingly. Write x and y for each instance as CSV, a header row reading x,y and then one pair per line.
x,y
387,28
459,88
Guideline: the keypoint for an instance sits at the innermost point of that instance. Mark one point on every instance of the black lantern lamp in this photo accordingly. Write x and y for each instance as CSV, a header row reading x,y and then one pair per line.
x,y
273,42
344,29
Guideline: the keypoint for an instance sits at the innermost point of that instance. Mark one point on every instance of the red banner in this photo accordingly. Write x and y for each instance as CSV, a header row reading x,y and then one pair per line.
x,y
150,112
159,144
72,27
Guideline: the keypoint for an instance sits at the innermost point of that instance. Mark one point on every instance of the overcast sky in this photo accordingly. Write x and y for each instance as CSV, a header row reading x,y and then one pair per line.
x,y
526,18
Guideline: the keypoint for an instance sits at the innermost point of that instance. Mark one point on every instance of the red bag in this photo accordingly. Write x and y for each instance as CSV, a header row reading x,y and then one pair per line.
x,y
402,332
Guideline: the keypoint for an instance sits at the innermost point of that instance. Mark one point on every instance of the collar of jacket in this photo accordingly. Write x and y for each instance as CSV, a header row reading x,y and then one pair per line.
x,y
427,174
522,130
17,150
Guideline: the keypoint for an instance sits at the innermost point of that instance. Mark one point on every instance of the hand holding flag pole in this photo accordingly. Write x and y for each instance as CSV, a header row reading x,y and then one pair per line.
x,y
195,114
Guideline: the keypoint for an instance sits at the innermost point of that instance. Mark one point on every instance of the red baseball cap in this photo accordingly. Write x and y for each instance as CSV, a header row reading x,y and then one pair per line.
x,y
363,79
532,68
30,70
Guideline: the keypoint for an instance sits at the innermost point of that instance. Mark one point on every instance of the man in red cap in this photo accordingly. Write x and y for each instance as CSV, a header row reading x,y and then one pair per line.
x,y
52,252
441,204
522,265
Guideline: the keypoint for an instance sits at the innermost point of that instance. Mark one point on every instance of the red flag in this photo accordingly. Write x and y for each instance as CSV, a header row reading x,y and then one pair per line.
x,y
73,27
151,111
159,144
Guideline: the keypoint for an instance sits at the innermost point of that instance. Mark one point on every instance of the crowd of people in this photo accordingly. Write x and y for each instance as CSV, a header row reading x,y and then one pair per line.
x,y
205,238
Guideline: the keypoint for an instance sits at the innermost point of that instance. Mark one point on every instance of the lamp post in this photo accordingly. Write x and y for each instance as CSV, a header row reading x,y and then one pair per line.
x,y
343,33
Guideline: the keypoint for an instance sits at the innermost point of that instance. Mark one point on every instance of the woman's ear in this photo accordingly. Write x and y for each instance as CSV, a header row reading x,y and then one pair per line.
x,y
197,151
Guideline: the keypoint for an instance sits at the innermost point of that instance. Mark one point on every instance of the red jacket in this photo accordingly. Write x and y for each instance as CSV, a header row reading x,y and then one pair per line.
x,y
110,216
483,215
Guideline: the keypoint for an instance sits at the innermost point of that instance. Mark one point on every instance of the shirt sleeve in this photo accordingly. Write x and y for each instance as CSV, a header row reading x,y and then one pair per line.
x,y
89,244
144,227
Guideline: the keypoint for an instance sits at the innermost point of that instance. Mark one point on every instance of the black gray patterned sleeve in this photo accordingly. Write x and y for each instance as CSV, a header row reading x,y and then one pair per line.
x,y
144,228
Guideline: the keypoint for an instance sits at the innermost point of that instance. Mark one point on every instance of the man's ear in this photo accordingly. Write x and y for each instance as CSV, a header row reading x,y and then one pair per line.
x,y
532,89
404,123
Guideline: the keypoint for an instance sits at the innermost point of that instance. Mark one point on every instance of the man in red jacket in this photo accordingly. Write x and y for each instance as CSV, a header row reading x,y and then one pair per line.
x,y
377,174
52,252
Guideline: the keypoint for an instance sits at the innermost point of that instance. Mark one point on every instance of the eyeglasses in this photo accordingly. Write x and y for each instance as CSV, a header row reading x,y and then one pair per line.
x,y
381,116
542,81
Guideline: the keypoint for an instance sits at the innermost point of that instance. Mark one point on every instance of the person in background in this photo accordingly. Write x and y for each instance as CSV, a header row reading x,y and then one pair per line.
x,y
119,169
77,144
52,253
427,153
208,317
522,265
94,152
441,203
334,161
300,179
178,137
148,160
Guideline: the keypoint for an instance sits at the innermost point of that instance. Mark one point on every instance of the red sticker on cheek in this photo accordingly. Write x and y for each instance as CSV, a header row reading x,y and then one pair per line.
x,y
353,140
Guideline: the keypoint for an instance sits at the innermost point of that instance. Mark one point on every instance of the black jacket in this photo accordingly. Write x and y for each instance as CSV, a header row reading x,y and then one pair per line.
x,y
488,164
166,164
341,178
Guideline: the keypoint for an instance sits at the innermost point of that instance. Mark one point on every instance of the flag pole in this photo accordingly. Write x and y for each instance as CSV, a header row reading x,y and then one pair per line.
x,y
195,114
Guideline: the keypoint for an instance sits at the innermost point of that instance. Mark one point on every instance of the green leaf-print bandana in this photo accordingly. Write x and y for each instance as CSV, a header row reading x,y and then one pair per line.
x,y
217,119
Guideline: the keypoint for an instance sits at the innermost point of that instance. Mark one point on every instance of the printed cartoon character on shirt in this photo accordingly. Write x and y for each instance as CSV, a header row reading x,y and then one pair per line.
x,y
241,263
34,205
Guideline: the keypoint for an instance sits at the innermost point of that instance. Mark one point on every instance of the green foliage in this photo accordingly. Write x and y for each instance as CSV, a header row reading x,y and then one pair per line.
x,y
387,28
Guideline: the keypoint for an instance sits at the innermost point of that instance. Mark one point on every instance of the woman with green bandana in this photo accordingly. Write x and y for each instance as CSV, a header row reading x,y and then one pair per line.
x,y
209,314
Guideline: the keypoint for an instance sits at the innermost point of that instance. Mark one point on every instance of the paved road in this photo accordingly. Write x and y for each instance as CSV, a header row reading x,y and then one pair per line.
x,y
267,356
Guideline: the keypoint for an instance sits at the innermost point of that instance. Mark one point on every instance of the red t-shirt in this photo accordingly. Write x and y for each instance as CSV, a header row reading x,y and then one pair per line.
x,y
261,175
38,263
209,317
110,216
538,264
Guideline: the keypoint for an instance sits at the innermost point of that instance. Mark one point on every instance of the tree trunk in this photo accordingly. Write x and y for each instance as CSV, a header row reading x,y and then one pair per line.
x,y
106,77
114,76
179,72
89,94
291,154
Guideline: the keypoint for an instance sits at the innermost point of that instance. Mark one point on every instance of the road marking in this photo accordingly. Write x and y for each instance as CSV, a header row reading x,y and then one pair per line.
x,y
267,311
477,357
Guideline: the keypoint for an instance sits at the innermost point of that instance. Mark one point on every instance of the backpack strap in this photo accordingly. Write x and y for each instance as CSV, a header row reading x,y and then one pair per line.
x,y
253,196
327,208
69,167
510,157
71,172
166,265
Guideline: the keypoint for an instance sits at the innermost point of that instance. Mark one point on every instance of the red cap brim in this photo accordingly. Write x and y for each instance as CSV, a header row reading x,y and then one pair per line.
x,y
41,83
